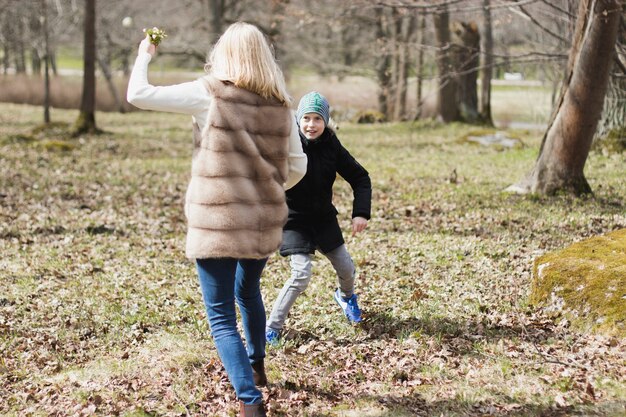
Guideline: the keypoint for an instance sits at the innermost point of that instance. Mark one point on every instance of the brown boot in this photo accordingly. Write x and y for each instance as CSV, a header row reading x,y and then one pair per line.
x,y
253,410
258,372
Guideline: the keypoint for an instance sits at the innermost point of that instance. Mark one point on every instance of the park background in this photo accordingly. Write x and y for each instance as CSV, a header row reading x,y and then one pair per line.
x,y
100,314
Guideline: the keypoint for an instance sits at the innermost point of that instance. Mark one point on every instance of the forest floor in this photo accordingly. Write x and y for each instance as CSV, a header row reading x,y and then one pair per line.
x,y
100,313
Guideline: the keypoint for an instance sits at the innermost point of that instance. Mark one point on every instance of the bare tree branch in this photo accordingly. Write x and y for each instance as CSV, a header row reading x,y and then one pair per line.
x,y
434,7
523,12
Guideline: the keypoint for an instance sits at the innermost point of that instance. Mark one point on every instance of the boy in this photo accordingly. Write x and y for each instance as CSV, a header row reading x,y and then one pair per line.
x,y
312,222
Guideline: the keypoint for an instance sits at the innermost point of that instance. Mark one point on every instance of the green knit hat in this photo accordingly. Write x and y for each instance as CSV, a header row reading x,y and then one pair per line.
x,y
313,102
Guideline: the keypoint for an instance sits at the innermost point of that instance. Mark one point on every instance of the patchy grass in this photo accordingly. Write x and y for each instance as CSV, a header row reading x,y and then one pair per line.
x,y
100,314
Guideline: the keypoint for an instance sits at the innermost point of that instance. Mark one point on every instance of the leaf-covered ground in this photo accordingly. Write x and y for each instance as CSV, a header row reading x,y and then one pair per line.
x,y
100,313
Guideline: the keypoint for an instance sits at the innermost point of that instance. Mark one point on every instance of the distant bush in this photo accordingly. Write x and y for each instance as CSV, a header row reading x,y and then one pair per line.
x,y
369,116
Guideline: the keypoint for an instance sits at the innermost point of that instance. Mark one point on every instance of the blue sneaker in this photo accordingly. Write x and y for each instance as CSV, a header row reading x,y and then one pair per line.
x,y
272,337
350,307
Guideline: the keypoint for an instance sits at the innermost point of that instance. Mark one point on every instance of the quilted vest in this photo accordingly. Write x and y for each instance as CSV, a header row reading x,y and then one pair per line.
x,y
235,201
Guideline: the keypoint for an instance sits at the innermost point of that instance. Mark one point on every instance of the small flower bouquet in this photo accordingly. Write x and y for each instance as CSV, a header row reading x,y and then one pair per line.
x,y
156,35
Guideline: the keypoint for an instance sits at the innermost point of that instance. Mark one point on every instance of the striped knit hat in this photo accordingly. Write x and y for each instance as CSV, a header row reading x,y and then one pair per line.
x,y
313,102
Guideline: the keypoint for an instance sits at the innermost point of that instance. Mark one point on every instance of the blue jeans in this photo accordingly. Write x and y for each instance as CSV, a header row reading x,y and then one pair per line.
x,y
222,281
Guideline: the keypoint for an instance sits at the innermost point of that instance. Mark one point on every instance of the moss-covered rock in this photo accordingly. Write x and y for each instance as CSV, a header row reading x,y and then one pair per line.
x,y
586,283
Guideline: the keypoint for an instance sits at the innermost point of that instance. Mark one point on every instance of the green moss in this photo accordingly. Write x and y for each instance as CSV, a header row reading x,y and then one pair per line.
x,y
50,128
57,145
18,138
585,282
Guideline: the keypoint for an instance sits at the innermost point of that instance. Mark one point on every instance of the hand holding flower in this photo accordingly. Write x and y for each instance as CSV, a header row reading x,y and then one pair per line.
x,y
147,47
155,35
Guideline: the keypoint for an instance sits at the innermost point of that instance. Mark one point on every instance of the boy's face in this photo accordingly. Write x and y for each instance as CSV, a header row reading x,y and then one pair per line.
x,y
311,125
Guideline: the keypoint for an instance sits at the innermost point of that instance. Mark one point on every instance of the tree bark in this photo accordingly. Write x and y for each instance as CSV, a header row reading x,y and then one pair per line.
x,y
486,73
407,30
466,59
447,109
86,122
19,54
612,126
566,143
419,70
46,57
217,18
383,66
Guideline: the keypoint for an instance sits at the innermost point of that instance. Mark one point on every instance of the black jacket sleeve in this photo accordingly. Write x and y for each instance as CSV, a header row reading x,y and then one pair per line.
x,y
358,178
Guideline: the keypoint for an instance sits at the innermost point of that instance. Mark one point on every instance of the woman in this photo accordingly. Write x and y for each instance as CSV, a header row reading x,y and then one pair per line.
x,y
246,153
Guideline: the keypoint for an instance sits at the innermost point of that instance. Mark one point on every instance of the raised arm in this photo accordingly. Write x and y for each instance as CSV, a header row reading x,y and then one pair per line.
x,y
189,98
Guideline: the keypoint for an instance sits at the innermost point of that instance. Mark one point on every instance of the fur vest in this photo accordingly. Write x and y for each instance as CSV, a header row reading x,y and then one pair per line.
x,y
235,202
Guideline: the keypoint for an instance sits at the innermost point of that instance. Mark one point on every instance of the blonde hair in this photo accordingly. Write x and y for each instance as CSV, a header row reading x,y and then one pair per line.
x,y
243,56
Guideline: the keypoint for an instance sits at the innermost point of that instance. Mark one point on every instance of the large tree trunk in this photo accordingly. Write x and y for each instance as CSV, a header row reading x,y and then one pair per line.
x,y
486,73
567,141
447,109
466,53
86,122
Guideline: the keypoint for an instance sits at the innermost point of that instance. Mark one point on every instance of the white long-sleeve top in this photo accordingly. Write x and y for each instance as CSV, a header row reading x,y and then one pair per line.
x,y
193,98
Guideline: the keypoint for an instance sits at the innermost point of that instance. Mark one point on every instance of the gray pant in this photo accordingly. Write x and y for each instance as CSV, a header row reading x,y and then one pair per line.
x,y
301,276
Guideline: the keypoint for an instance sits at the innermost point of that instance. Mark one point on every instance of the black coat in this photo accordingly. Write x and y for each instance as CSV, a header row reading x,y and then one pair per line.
x,y
312,222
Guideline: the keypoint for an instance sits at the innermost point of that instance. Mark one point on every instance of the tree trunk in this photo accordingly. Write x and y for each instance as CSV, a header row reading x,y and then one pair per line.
x,y
46,89
6,59
35,28
393,34
35,61
613,123
52,60
420,65
486,73
567,141
19,54
217,17
466,59
612,127
383,67
86,122
407,29
447,109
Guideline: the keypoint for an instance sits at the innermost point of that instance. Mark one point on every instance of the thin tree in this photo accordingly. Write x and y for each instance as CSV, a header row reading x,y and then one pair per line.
x,y
566,143
447,108
486,73
419,66
86,122
383,65
46,57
